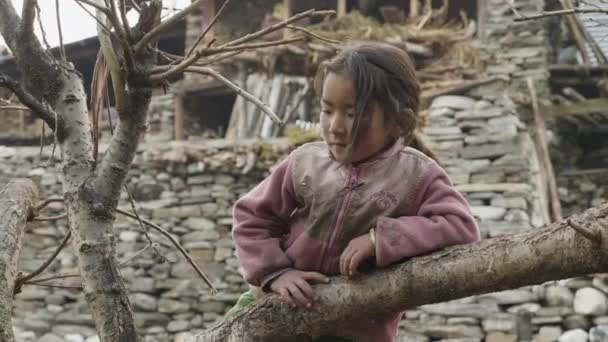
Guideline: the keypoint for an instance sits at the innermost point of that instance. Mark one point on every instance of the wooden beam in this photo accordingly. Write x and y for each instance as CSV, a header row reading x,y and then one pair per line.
x,y
178,117
341,8
287,8
414,9
208,9
578,108
543,149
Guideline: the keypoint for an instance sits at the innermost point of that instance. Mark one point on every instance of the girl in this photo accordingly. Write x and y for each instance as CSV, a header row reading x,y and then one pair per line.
x,y
359,197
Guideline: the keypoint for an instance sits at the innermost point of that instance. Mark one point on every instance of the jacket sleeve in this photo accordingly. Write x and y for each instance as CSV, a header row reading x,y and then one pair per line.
x,y
443,218
260,220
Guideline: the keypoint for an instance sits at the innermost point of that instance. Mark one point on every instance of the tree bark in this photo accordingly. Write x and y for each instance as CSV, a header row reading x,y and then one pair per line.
x,y
17,203
555,252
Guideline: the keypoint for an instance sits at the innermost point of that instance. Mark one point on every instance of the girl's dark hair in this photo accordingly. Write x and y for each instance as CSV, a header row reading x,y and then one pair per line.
x,y
383,75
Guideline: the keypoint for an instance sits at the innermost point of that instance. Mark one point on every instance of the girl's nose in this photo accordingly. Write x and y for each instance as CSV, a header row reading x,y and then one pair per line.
x,y
337,125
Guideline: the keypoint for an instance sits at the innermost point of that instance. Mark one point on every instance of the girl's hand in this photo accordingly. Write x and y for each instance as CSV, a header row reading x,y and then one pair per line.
x,y
294,287
358,249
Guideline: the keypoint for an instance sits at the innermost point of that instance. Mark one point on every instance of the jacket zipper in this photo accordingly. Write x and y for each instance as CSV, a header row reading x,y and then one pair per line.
x,y
352,181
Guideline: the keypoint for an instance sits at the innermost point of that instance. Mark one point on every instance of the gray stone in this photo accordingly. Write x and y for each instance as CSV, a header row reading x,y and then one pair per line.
x,y
488,150
172,306
405,336
453,101
599,334
457,309
600,283
510,202
496,336
142,285
559,296
201,235
144,302
93,339
517,215
548,334
576,322
479,114
463,320
576,335
434,130
175,326
498,324
486,213
147,319
590,301
50,338
74,338
509,297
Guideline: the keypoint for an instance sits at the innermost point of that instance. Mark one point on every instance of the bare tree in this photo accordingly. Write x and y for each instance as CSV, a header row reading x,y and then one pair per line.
x,y
54,92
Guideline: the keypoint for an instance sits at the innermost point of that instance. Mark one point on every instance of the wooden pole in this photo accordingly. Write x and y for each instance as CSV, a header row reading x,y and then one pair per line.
x,y
414,8
341,8
178,117
543,148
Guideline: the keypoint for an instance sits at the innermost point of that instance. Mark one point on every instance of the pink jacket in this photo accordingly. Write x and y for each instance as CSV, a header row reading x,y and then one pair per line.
x,y
305,213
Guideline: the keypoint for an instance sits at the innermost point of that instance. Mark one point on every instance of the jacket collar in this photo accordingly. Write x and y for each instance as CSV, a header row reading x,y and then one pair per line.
x,y
385,153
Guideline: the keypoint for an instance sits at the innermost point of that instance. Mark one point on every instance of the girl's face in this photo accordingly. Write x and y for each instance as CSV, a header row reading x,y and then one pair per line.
x,y
337,116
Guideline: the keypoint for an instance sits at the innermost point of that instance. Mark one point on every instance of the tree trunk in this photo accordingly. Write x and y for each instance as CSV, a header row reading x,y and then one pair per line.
x,y
17,203
552,253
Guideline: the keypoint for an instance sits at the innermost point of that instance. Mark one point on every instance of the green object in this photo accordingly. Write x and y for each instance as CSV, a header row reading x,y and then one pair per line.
x,y
248,298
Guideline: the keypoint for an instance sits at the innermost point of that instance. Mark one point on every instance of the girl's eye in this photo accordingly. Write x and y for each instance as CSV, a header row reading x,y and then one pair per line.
x,y
326,111
350,115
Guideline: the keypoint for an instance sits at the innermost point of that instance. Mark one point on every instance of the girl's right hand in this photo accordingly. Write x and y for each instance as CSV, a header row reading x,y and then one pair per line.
x,y
294,287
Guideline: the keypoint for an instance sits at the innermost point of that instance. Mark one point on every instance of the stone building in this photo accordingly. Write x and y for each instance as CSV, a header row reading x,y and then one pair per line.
x,y
482,128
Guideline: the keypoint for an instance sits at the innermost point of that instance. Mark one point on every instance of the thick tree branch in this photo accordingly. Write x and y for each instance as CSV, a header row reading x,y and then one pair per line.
x,y
38,109
17,204
534,257
166,25
28,15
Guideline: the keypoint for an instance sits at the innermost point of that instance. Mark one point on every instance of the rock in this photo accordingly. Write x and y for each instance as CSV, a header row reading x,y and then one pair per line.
x,y
201,235
498,324
432,131
148,319
453,101
559,296
517,215
600,283
510,202
599,334
404,336
50,338
576,335
576,322
74,338
486,213
548,334
489,150
172,306
93,339
184,336
144,302
199,223
175,326
495,336
509,297
457,309
463,320
142,285
589,301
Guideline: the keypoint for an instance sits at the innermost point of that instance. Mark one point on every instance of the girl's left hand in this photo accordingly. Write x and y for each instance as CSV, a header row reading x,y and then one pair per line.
x,y
358,249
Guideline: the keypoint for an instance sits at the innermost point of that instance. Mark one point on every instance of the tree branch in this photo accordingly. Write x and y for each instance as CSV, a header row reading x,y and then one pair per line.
x,y
487,266
38,109
239,91
544,14
98,7
166,25
28,15
209,26
166,72
17,203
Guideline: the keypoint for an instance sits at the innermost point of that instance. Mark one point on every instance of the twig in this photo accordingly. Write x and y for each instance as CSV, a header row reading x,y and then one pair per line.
x,y
62,48
312,34
28,14
53,285
135,5
239,91
278,26
125,20
60,276
104,9
48,201
22,280
122,263
202,35
50,218
15,107
587,233
38,109
543,14
39,18
176,244
165,25
179,68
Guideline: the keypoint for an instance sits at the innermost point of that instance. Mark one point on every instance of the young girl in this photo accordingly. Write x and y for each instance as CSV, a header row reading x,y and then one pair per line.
x,y
359,197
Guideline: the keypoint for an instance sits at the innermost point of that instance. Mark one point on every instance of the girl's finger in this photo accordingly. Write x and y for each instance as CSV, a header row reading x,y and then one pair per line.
x,y
345,260
286,296
297,295
354,263
306,289
315,276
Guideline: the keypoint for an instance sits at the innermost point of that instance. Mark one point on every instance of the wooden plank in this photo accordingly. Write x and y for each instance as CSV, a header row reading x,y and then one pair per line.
x,y
341,8
578,108
414,8
543,148
178,117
